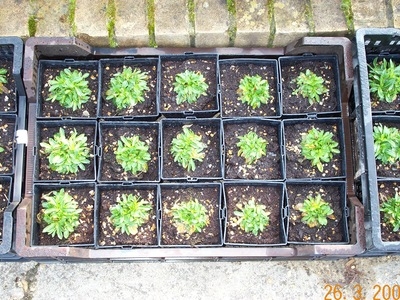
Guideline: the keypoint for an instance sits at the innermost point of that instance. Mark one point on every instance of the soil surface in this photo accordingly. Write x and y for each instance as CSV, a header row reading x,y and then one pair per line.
x,y
84,233
295,104
8,95
386,191
109,236
387,170
170,68
299,167
148,107
110,169
270,196
207,196
267,167
45,173
211,164
54,109
4,201
7,130
231,74
300,232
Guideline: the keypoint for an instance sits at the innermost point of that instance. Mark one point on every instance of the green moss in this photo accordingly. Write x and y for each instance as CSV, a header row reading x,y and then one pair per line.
x,y
348,14
231,5
310,17
32,25
151,23
111,14
191,11
272,24
71,16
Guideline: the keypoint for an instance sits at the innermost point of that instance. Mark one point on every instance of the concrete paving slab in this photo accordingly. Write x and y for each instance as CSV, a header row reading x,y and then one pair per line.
x,y
131,23
369,13
211,23
52,16
171,23
329,18
14,17
252,23
396,13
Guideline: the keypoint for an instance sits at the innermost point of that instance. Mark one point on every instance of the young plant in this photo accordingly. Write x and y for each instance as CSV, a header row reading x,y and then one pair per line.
x,y
253,91
3,80
252,147
189,86
391,212
315,211
70,89
384,80
1,149
310,86
67,155
189,217
133,154
387,144
60,213
127,88
319,147
252,217
130,212
186,148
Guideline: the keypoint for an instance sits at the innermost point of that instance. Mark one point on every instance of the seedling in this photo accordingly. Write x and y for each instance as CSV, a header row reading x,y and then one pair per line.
x,y
189,86
130,212
1,149
189,217
70,89
133,154
310,86
66,155
315,211
319,147
252,147
387,144
127,88
252,217
384,80
186,148
253,91
60,213
391,212
3,80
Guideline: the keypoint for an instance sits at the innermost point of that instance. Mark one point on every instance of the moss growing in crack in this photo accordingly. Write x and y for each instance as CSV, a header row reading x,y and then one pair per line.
x,y
348,14
111,13
191,12
71,16
272,24
151,22
32,25
310,17
231,5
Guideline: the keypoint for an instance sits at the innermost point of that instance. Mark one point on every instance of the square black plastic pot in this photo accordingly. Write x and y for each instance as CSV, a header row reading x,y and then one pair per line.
x,y
269,194
42,171
325,66
171,65
332,192
209,195
294,160
110,132
49,70
211,166
84,235
148,109
107,235
11,56
269,166
5,200
232,71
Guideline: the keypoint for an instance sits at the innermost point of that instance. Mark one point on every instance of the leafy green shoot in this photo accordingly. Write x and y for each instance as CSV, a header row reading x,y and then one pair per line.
x,y
386,144
252,217
252,147
384,80
254,91
133,154
310,86
189,86
189,217
391,212
315,211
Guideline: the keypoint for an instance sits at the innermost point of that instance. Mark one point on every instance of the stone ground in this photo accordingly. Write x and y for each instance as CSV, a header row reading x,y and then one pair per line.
x,y
198,23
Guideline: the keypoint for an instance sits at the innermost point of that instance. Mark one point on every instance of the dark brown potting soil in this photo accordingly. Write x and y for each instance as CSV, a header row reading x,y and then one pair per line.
x,y
211,164
299,231
45,173
170,68
84,233
4,201
294,104
267,167
386,191
54,109
299,167
148,107
231,75
207,196
7,130
7,93
111,170
270,196
109,236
